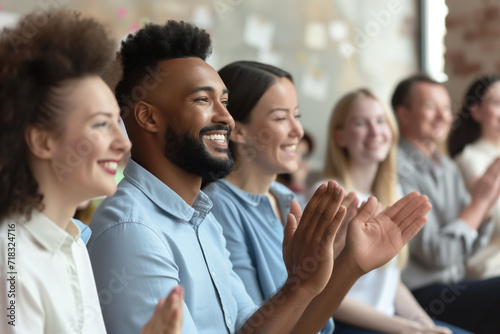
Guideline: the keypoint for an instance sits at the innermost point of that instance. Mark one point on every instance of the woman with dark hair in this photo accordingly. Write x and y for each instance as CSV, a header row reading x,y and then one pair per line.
x,y
252,207
60,143
474,143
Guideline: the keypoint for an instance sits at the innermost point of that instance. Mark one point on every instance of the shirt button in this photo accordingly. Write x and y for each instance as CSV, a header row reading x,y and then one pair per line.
x,y
229,321
213,273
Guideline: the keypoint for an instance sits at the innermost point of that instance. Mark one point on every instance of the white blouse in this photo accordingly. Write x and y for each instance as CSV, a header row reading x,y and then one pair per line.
x,y
53,288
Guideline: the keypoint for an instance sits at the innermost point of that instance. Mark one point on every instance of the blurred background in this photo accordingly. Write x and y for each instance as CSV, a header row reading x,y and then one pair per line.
x,y
329,46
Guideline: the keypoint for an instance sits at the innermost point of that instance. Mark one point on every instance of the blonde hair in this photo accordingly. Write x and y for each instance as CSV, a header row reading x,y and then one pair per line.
x,y
337,159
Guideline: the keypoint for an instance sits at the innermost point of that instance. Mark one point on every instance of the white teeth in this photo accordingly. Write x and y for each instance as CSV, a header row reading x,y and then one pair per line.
x,y
217,137
290,148
110,165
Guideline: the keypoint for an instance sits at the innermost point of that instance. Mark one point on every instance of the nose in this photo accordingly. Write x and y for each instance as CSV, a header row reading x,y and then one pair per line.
x,y
296,128
221,115
120,142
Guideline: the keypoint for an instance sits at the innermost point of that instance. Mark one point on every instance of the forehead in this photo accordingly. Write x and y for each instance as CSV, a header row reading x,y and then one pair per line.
x,y
425,91
365,106
185,74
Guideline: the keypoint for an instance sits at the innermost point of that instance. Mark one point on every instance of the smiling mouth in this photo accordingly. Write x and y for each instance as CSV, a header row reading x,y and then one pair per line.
x,y
290,148
219,138
109,166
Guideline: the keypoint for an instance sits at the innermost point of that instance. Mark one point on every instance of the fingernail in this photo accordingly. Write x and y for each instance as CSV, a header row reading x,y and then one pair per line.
x,y
331,184
322,186
337,191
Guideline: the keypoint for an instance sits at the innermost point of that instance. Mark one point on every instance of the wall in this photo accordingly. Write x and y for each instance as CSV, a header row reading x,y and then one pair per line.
x,y
330,47
472,43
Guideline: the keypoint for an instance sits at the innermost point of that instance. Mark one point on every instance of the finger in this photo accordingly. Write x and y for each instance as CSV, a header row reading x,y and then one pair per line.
x,y
367,210
330,231
296,210
290,228
352,210
327,208
392,210
311,206
411,228
409,207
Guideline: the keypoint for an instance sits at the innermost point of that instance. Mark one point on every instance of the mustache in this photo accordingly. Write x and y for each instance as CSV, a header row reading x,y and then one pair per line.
x,y
216,128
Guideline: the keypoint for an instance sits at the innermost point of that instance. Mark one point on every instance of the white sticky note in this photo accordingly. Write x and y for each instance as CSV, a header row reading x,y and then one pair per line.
x,y
202,16
258,32
314,84
8,19
270,57
315,36
338,31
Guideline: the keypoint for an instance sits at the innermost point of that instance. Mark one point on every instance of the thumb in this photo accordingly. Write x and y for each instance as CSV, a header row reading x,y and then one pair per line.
x,y
290,227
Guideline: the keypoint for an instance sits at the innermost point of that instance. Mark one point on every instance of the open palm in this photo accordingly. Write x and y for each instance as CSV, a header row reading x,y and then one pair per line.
x,y
372,240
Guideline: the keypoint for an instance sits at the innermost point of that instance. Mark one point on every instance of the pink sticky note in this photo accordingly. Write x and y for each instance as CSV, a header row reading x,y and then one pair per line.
x,y
134,27
122,12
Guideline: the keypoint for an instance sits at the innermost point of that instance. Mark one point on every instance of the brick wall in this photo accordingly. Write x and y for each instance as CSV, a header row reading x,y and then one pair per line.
x,y
472,43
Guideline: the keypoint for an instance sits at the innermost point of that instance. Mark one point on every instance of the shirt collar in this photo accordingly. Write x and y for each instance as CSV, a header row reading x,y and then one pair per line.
x,y
283,195
163,196
48,234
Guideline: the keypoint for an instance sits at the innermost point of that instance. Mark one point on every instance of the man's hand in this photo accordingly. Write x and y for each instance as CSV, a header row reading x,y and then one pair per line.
x,y
308,240
374,240
351,204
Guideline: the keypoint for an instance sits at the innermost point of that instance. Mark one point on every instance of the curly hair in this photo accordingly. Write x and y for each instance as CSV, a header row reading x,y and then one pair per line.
x,y
38,56
141,52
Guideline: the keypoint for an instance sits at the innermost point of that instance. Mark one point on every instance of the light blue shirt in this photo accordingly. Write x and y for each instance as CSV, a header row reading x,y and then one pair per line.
x,y
254,236
85,231
146,240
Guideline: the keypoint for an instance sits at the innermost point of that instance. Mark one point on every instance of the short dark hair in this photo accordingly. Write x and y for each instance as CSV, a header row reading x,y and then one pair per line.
x,y
150,45
403,89
465,129
65,47
247,81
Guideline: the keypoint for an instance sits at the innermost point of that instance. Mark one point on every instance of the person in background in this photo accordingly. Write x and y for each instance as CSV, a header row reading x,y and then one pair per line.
x,y
361,155
60,142
474,143
297,181
251,207
459,223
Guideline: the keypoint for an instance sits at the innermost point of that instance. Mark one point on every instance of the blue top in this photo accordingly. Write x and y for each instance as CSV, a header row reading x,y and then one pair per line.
x,y
146,240
254,236
85,231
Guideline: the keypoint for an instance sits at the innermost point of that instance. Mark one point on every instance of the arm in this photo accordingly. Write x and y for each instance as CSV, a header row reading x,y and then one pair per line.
x,y
445,240
359,314
371,242
308,255
133,269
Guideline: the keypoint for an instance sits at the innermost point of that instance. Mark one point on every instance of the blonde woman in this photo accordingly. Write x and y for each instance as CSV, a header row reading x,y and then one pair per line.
x,y
361,155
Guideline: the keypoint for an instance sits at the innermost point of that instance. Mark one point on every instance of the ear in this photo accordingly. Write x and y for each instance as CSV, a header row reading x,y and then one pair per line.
x,y
402,115
239,134
39,141
146,116
475,112
338,135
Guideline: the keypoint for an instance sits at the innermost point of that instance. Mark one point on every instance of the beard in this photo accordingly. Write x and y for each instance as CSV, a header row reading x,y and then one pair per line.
x,y
184,151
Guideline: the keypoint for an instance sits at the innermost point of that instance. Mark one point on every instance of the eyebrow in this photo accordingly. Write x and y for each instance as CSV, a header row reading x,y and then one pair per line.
x,y
205,89
281,109
99,113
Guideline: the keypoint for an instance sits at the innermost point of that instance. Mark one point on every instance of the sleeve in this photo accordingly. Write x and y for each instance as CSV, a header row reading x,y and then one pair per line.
x,y
133,268
441,244
231,221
